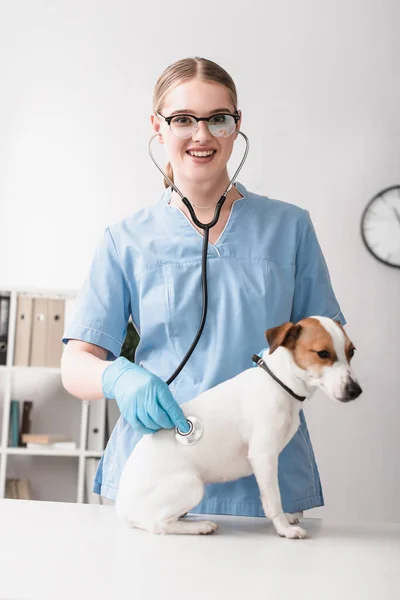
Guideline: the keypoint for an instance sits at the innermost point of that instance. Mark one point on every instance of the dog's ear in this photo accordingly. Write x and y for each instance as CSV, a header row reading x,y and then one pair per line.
x,y
283,335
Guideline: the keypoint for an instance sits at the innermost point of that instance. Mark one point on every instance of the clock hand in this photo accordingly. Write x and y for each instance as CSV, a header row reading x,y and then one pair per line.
x,y
397,213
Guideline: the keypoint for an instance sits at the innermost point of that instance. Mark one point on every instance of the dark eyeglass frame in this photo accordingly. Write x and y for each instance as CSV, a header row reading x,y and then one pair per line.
x,y
236,116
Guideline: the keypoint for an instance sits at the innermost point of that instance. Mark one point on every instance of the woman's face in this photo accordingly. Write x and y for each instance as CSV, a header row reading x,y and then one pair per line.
x,y
201,99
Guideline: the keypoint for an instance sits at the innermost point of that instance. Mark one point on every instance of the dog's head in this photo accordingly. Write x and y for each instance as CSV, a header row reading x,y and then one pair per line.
x,y
321,349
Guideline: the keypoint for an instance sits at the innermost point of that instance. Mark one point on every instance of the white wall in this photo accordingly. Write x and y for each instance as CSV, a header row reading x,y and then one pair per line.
x,y
319,88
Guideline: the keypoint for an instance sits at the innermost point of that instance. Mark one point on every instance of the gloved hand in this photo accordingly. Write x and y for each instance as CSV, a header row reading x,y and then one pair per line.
x,y
144,399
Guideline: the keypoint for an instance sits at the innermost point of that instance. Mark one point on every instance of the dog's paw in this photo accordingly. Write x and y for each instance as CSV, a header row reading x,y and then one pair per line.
x,y
293,518
207,527
184,526
293,532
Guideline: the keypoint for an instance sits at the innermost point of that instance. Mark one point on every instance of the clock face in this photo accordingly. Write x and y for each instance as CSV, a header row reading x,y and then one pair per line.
x,y
380,226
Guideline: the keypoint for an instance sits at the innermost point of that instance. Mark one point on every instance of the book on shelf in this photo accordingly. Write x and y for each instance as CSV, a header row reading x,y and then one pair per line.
x,y
17,429
54,446
14,424
26,425
44,438
18,489
20,433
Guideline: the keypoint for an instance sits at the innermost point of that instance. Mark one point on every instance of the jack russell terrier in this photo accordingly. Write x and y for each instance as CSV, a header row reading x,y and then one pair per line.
x,y
258,413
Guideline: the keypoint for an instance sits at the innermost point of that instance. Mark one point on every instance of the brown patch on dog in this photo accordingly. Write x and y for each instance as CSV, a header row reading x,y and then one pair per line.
x,y
283,335
305,339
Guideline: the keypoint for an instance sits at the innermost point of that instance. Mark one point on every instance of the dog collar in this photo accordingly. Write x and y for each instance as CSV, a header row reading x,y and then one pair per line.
x,y
263,365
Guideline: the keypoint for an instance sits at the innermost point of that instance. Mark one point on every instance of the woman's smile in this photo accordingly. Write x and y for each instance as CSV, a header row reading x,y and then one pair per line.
x,y
200,157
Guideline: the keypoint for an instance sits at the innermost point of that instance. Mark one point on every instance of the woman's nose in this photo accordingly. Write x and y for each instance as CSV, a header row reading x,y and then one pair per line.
x,y
202,133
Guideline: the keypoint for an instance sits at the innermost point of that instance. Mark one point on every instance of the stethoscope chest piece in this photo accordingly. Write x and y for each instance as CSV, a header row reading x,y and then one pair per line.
x,y
193,435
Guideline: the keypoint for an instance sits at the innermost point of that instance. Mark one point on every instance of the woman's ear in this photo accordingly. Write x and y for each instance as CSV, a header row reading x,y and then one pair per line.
x,y
156,126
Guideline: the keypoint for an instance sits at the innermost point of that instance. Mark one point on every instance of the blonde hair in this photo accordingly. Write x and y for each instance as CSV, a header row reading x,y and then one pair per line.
x,y
184,70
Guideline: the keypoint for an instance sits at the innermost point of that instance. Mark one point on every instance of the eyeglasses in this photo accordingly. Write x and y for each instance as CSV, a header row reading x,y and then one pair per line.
x,y
184,126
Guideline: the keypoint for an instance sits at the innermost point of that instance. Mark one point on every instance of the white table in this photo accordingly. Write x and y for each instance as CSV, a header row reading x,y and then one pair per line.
x,y
52,550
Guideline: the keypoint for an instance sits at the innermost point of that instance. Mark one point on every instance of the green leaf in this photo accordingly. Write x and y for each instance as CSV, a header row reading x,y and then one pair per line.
x,y
130,344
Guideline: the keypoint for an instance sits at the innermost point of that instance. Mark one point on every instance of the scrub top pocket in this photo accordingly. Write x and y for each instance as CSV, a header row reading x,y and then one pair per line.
x,y
280,292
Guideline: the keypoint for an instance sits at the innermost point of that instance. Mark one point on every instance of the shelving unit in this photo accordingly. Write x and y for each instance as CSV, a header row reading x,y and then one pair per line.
x,y
9,373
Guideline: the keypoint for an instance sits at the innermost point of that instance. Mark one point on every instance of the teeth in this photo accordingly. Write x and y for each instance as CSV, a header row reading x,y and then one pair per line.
x,y
200,154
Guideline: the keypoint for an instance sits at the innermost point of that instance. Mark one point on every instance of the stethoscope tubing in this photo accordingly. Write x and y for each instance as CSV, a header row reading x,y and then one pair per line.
x,y
186,201
206,227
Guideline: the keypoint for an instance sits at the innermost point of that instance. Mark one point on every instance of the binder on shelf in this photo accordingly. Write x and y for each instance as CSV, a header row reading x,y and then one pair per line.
x,y
69,313
11,488
26,425
14,424
23,327
24,489
4,322
39,326
96,425
90,473
54,332
18,489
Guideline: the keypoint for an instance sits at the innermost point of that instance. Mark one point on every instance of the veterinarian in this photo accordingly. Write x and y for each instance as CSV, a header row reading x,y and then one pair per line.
x,y
264,267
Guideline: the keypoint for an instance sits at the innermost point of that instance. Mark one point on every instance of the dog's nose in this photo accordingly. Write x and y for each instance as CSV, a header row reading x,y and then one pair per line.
x,y
352,391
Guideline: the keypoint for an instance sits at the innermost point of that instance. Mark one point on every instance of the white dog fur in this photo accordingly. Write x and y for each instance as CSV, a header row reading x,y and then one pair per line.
x,y
247,422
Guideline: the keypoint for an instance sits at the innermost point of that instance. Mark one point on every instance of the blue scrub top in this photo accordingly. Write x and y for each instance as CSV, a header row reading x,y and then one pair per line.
x,y
265,269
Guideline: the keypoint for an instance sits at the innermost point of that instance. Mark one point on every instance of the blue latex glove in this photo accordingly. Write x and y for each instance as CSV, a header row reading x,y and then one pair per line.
x,y
144,400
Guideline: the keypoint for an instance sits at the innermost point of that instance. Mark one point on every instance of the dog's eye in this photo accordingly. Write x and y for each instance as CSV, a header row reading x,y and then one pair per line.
x,y
351,351
323,354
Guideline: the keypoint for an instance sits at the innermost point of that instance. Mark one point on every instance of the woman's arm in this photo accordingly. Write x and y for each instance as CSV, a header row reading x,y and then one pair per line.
x,y
82,367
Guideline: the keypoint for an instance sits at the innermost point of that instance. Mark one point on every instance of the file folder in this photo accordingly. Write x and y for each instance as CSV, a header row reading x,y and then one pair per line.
x,y
39,326
69,314
23,329
96,425
54,332
4,322
91,468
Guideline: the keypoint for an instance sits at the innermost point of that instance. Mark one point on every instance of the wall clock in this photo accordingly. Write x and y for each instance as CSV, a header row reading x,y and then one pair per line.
x,y
380,226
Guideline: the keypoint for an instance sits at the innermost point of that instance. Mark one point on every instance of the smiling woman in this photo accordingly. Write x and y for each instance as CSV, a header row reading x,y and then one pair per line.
x,y
187,133
193,100
264,268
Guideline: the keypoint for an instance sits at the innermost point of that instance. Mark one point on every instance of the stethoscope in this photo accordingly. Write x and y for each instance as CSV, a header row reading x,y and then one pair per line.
x,y
196,430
